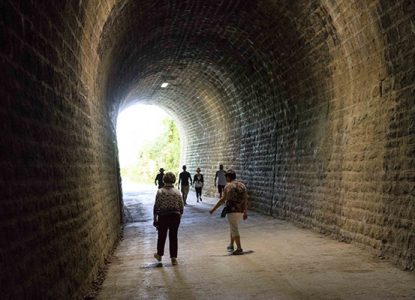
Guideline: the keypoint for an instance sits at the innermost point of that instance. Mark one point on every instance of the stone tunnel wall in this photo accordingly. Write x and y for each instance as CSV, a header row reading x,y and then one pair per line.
x,y
59,203
330,147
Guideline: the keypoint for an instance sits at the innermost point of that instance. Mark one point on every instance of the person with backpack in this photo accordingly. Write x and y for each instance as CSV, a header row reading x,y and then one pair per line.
x,y
235,197
198,183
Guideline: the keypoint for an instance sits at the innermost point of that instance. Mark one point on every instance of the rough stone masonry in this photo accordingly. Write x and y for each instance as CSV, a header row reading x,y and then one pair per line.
x,y
311,102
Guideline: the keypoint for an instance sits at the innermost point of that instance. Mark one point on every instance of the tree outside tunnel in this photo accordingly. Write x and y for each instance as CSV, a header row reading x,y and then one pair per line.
x,y
148,140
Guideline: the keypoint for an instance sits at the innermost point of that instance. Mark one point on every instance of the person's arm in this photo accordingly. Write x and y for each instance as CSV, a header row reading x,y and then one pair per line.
x,y
245,205
155,210
155,181
178,183
216,176
191,181
181,206
220,202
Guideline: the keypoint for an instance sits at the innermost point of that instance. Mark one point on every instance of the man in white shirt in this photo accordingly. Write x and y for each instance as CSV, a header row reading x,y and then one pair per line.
x,y
221,180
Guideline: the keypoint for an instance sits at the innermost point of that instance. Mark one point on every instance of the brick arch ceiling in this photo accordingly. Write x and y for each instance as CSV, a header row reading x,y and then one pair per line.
x,y
229,64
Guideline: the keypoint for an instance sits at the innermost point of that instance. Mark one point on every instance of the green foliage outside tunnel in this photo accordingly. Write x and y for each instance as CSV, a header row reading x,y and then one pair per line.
x,y
162,152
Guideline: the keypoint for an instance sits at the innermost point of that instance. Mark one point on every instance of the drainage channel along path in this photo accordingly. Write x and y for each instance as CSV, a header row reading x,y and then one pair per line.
x,y
281,261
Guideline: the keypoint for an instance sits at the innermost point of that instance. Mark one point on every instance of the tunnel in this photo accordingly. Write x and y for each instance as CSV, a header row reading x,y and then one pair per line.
x,y
312,103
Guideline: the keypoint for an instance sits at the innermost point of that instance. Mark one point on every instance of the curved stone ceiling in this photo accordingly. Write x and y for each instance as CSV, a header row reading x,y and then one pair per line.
x,y
228,63
202,45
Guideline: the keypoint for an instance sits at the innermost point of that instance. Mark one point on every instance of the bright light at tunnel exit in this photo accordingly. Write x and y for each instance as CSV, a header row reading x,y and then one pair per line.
x,y
137,126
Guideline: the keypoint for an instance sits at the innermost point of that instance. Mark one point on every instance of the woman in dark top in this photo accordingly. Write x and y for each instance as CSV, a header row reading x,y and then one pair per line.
x,y
198,183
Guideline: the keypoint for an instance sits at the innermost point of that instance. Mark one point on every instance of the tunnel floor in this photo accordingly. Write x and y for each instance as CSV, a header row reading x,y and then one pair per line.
x,y
281,261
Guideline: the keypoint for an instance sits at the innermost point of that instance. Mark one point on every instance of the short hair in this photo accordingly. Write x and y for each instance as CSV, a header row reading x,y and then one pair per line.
x,y
221,167
184,167
231,174
169,177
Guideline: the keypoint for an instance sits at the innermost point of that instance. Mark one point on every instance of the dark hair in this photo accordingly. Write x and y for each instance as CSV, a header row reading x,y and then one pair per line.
x,y
221,167
184,167
231,174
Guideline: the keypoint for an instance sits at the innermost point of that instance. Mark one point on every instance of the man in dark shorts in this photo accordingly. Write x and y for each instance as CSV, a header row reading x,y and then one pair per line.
x,y
159,178
184,178
220,176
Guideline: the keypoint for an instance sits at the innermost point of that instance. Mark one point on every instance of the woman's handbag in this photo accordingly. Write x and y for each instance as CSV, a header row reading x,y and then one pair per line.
x,y
225,210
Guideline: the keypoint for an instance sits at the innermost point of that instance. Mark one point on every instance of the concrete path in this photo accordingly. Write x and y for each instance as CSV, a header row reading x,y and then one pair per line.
x,y
282,261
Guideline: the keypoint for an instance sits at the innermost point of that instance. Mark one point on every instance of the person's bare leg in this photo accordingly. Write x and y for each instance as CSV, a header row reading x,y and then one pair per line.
x,y
232,241
238,242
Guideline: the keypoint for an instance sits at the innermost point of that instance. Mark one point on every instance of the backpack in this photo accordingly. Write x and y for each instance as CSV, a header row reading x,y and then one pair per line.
x,y
198,182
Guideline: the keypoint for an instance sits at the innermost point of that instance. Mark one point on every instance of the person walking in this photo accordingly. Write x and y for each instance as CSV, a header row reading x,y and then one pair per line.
x,y
184,178
167,212
198,183
159,178
221,180
235,197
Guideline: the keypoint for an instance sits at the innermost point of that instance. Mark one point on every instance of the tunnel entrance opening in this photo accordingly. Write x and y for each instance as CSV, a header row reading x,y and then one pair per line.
x,y
148,139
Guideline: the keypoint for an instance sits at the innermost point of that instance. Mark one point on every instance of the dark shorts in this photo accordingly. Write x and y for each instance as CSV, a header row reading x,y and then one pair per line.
x,y
220,188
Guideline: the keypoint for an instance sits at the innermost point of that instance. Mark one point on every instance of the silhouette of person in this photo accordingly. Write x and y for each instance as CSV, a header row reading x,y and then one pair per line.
x,y
159,178
184,178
